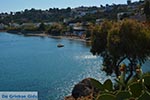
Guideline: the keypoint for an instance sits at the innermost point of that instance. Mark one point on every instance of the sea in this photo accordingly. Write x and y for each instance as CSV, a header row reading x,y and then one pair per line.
x,y
37,64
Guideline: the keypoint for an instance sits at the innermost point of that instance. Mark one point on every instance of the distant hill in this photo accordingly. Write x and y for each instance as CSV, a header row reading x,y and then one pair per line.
x,y
80,14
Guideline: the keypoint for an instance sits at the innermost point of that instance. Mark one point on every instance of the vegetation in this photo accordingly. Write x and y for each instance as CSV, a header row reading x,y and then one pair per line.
x,y
136,89
42,27
58,15
36,16
29,28
110,15
55,29
117,42
147,10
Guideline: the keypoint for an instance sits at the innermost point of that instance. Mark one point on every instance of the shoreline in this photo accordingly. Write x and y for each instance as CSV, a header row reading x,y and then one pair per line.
x,y
68,37
58,37
74,38
3,31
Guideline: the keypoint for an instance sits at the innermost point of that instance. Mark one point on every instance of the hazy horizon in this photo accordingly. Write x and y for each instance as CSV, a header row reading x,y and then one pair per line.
x,y
20,5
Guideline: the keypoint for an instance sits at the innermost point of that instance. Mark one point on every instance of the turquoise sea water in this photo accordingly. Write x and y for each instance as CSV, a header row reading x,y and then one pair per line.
x,y
36,64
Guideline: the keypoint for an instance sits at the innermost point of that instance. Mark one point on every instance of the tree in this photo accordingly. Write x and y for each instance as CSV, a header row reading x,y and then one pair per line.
x,y
42,27
55,29
99,36
115,42
147,10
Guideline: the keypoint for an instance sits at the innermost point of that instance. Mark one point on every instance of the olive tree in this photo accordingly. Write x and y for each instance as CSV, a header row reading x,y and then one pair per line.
x,y
119,41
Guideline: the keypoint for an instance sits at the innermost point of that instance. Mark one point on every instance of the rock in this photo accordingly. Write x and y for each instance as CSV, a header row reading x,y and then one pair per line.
x,y
82,89
69,98
82,98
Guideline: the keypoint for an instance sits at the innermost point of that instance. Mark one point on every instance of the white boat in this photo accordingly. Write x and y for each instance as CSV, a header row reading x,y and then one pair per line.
x,y
60,45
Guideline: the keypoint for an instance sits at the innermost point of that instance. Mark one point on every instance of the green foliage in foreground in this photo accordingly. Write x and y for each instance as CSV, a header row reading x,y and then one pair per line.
x,y
116,42
138,88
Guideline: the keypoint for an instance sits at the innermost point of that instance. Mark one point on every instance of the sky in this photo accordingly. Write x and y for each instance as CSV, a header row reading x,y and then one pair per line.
x,y
20,5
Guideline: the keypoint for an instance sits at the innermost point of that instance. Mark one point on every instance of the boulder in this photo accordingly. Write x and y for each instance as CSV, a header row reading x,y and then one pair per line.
x,y
83,88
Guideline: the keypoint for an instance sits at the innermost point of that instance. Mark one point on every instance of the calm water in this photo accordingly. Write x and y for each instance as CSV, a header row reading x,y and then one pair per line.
x,y
36,64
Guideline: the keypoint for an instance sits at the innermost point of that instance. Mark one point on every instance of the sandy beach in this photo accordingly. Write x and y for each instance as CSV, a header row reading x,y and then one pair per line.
x,y
59,37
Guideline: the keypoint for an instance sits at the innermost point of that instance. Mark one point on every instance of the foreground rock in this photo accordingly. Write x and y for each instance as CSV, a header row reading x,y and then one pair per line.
x,y
90,97
84,90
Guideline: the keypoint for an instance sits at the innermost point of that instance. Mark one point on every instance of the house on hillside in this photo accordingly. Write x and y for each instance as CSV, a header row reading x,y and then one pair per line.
x,y
30,24
79,31
82,11
99,21
138,17
122,15
134,6
16,25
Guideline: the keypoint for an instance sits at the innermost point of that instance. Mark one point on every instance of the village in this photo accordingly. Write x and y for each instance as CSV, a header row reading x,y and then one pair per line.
x,y
76,24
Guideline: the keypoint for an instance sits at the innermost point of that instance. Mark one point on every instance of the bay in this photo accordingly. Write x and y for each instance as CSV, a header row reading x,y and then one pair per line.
x,y
36,64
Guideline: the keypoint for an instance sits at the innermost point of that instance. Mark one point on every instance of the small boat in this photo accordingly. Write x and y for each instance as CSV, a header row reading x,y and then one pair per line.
x,y
60,45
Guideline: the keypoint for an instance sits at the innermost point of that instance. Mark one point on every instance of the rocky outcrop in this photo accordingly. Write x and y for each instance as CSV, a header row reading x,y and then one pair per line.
x,y
84,88
90,97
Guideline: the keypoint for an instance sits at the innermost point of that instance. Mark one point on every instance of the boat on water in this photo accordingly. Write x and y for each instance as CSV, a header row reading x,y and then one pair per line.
x,y
60,45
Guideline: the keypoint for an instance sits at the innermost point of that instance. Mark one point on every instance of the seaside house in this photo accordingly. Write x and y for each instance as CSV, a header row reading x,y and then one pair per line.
x,y
79,31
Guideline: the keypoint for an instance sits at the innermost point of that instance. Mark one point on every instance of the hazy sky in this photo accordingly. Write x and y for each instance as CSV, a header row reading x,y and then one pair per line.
x,y
18,5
